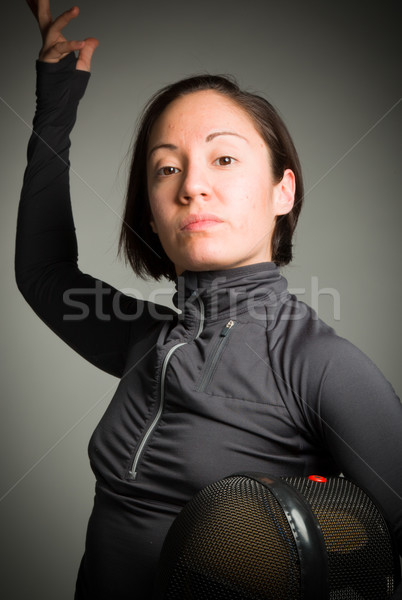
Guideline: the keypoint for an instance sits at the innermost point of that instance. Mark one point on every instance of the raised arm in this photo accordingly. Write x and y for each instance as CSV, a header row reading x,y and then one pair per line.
x,y
46,249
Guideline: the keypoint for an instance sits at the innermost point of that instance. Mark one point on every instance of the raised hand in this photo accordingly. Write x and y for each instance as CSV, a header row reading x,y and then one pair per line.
x,y
54,45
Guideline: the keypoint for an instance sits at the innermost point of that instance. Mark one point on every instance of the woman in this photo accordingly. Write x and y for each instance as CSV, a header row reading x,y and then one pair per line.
x,y
243,377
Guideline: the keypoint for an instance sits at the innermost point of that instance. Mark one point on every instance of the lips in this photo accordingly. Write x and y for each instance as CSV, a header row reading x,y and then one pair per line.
x,y
201,221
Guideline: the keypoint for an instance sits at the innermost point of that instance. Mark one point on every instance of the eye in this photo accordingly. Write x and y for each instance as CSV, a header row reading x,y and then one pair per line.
x,y
166,171
222,161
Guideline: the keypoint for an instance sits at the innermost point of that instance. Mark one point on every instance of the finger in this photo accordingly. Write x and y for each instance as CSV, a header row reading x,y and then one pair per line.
x,y
59,50
85,54
43,13
58,24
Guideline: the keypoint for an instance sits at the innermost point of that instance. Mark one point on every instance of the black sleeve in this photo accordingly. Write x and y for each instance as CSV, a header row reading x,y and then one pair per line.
x,y
359,417
89,315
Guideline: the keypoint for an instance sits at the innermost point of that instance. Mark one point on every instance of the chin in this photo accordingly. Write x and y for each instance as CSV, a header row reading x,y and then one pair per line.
x,y
215,258
202,263
212,263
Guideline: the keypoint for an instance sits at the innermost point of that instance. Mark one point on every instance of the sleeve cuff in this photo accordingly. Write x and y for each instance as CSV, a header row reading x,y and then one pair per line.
x,y
65,64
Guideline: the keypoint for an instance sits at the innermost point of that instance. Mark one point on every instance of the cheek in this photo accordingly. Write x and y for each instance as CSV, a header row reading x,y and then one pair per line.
x,y
161,201
153,226
250,202
161,220
155,205
155,217
152,214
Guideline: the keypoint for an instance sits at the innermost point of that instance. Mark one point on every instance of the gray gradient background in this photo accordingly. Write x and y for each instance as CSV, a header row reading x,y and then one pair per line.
x,y
332,69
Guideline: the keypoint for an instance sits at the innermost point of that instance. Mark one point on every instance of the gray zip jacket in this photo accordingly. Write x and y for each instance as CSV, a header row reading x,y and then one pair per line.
x,y
243,377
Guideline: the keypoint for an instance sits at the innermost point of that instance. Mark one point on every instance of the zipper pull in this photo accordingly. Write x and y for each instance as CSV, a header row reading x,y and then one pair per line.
x,y
227,328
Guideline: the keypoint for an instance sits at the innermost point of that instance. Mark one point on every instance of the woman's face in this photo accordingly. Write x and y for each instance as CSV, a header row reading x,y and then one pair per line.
x,y
210,186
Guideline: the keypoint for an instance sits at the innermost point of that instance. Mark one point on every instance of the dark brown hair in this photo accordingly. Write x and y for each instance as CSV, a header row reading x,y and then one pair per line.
x,y
141,247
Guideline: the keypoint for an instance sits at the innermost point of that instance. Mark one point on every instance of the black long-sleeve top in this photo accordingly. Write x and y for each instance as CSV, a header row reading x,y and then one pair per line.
x,y
245,378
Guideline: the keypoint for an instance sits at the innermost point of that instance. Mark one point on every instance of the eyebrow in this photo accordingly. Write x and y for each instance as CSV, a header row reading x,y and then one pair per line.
x,y
212,136
209,138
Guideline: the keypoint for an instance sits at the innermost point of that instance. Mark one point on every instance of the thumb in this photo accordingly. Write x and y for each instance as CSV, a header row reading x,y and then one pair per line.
x,y
85,54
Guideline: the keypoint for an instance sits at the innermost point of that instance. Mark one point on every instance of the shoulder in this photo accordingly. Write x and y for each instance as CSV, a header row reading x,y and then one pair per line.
x,y
297,331
321,367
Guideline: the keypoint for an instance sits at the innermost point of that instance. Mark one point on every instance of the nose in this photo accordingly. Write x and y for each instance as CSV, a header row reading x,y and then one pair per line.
x,y
195,184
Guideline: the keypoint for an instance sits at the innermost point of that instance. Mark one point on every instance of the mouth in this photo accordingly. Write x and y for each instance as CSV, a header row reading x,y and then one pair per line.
x,y
199,222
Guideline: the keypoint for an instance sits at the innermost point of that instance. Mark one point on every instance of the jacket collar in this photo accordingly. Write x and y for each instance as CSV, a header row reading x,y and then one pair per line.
x,y
230,292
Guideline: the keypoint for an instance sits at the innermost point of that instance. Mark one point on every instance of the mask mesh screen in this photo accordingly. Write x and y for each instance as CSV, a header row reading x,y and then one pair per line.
x,y
219,546
358,543
232,541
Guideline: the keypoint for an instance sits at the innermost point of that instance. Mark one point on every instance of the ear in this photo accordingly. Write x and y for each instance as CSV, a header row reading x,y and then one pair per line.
x,y
284,193
153,226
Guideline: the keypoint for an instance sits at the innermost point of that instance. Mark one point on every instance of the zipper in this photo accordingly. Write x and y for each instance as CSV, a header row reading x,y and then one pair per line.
x,y
213,358
134,468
